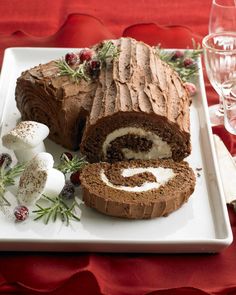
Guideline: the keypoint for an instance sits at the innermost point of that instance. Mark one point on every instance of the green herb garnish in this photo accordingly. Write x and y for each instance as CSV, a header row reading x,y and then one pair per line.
x,y
108,50
86,66
7,178
58,209
184,63
66,165
77,73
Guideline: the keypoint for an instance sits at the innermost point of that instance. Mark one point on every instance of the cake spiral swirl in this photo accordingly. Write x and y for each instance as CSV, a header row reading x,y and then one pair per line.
x,y
137,189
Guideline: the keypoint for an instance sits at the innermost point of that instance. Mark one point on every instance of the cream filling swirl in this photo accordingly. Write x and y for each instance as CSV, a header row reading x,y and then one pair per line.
x,y
160,148
162,175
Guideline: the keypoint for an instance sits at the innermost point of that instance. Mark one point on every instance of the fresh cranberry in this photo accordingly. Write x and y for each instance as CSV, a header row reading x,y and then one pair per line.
x,y
68,191
71,58
94,67
85,55
188,62
191,88
177,54
65,156
6,159
21,213
75,178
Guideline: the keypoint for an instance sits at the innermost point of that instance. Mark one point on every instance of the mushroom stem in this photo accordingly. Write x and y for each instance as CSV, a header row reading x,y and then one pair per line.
x,y
24,155
55,183
39,178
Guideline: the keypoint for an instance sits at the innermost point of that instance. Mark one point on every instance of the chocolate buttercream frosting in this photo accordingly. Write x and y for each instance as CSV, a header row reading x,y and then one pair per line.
x,y
137,189
137,107
43,95
140,109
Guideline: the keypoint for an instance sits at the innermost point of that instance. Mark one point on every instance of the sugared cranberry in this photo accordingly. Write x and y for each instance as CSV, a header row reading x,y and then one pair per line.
x,y
71,58
188,62
94,67
85,55
68,191
65,156
21,213
6,159
177,54
75,178
191,88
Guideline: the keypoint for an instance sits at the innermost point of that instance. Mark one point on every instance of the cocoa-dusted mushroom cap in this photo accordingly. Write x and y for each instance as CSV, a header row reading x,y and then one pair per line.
x,y
26,139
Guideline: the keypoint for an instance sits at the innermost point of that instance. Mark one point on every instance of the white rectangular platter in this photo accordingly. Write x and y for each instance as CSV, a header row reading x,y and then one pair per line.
x,y
201,225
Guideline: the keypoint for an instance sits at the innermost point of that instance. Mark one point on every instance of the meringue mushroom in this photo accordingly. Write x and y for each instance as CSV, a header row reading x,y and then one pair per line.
x,y
38,178
26,140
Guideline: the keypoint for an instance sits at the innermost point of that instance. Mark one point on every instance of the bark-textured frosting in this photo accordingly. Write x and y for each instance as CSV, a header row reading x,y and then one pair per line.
x,y
114,197
137,90
44,96
134,90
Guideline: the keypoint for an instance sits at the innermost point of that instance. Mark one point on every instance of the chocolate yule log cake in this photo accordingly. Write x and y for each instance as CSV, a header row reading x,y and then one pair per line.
x,y
132,105
137,189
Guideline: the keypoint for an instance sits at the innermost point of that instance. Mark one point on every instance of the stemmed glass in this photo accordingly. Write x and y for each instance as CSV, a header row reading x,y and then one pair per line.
x,y
222,18
229,93
220,61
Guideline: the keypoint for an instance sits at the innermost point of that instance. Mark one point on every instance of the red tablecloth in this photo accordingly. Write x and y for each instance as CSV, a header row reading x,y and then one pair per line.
x,y
64,23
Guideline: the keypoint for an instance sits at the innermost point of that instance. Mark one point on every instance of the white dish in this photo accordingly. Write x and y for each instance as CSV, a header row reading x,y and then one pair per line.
x,y
201,225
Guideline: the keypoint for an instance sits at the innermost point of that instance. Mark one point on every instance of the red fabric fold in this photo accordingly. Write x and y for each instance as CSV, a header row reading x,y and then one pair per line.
x,y
121,274
166,36
45,18
77,31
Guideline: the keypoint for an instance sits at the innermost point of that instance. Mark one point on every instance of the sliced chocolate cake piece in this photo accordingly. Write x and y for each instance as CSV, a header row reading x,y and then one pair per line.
x,y
137,189
140,109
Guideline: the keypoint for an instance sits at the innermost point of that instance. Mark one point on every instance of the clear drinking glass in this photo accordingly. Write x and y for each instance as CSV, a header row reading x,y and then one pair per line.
x,y
229,93
219,51
222,16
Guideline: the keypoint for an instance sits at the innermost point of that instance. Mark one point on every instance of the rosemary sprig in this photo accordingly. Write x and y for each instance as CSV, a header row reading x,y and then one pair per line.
x,y
77,73
186,73
108,50
57,209
89,66
66,165
7,178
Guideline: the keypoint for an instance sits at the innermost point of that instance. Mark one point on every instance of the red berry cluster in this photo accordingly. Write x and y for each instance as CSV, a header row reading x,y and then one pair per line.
x,y
75,178
179,56
191,88
87,56
66,156
188,62
69,189
5,159
21,213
